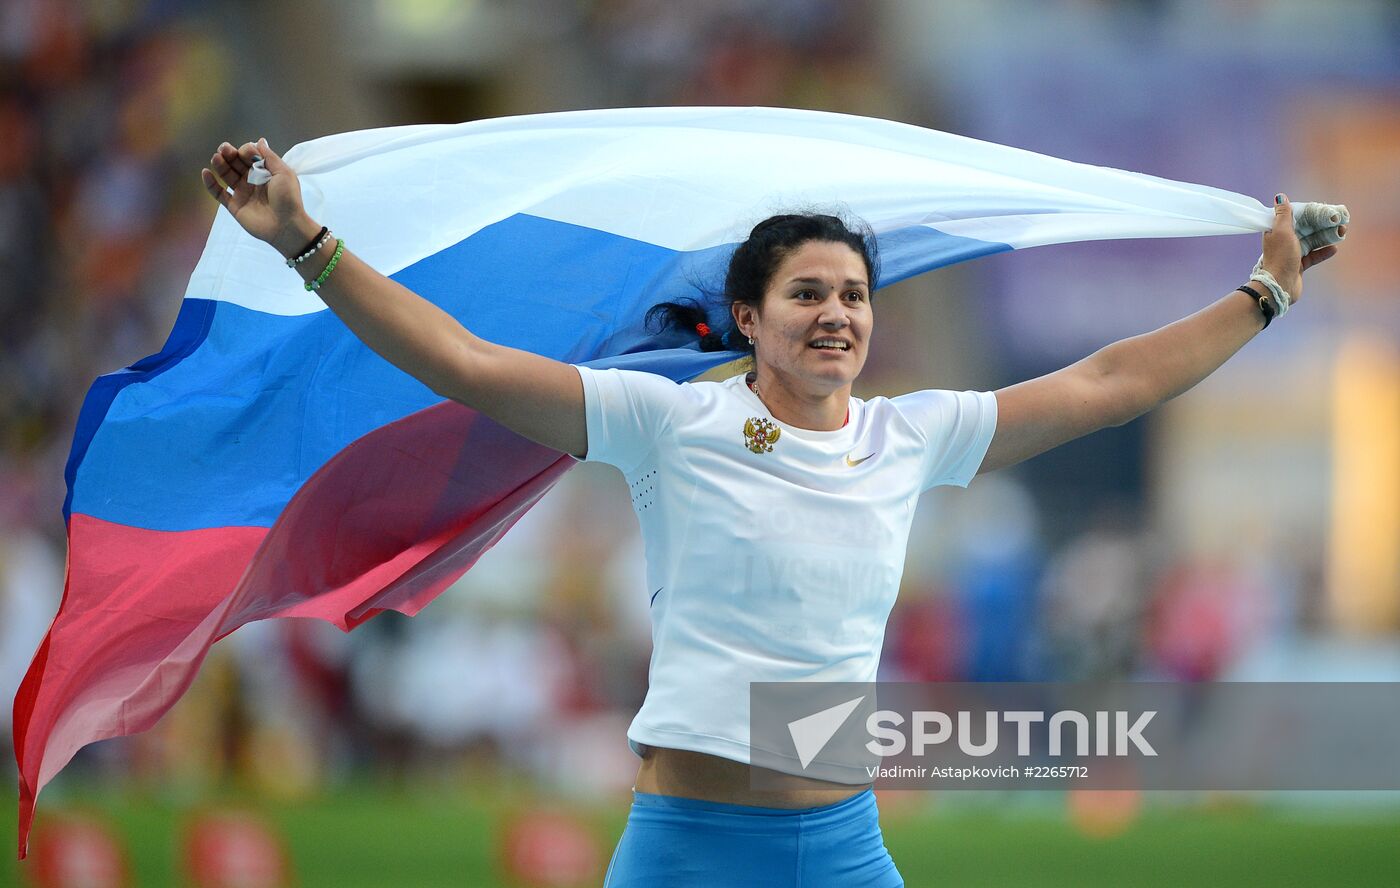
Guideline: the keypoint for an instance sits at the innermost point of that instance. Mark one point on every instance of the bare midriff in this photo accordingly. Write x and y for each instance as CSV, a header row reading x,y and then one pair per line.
x,y
698,775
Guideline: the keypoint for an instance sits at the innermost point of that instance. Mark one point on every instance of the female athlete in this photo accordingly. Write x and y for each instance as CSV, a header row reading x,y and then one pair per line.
x,y
774,507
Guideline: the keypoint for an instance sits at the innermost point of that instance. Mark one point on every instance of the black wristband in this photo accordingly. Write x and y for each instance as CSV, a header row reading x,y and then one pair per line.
x,y
311,245
1265,305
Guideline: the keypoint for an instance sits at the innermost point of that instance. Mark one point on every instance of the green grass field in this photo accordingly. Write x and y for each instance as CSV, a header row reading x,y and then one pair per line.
x,y
363,837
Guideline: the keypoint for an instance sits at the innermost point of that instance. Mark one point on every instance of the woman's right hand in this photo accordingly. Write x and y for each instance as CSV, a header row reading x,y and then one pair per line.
x,y
271,212
534,396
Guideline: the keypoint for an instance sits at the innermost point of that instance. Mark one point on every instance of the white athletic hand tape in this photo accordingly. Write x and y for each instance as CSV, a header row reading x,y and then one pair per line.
x,y
1282,298
258,174
1316,224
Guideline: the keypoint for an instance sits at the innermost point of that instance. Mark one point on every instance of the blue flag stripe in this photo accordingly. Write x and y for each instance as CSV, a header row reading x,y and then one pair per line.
x,y
241,407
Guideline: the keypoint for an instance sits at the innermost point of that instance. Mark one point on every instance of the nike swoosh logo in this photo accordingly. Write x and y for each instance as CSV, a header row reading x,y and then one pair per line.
x,y
855,462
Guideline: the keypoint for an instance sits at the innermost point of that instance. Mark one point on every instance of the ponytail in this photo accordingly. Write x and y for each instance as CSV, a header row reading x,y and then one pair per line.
x,y
751,269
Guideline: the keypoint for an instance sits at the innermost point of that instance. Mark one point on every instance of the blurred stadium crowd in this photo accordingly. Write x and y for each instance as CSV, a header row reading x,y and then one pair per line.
x,y
107,111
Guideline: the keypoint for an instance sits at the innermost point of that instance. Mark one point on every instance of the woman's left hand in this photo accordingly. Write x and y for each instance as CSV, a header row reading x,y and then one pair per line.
x,y
1283,254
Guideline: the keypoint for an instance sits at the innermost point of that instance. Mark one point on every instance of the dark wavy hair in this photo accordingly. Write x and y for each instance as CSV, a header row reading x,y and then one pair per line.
x,y
751,270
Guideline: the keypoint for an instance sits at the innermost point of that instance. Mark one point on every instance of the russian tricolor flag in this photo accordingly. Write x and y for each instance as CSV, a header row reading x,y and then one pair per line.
x,y
267,464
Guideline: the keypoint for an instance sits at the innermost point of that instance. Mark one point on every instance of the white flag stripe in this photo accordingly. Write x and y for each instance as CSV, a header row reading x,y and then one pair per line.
x,y
693,178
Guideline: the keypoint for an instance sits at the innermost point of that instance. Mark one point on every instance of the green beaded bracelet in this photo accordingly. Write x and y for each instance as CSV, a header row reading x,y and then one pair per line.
x,y
339,250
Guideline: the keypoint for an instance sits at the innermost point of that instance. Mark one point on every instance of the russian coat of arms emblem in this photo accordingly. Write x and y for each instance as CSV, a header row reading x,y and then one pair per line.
x,y
760,434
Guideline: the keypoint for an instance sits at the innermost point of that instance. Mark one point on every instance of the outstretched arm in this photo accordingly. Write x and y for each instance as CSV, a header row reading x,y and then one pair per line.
x,y
535,396
1124,380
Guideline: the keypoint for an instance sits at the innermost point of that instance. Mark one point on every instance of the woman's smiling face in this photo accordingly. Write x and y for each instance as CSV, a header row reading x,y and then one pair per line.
x,y
815,318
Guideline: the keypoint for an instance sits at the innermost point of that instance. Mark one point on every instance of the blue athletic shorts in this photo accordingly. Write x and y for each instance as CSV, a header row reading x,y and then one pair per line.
x,y
679,843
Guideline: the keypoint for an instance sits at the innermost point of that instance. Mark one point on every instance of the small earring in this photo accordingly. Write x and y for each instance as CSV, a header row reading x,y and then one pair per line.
x,y
750,340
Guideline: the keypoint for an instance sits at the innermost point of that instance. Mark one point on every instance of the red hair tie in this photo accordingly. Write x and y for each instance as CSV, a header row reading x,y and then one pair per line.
x,y
703,329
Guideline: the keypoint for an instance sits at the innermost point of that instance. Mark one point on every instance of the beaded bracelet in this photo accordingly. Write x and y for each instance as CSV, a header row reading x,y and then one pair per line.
x,y
339,251
317,243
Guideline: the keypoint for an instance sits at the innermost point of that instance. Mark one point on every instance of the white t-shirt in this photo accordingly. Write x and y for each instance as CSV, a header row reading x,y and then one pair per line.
x,y
773,553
